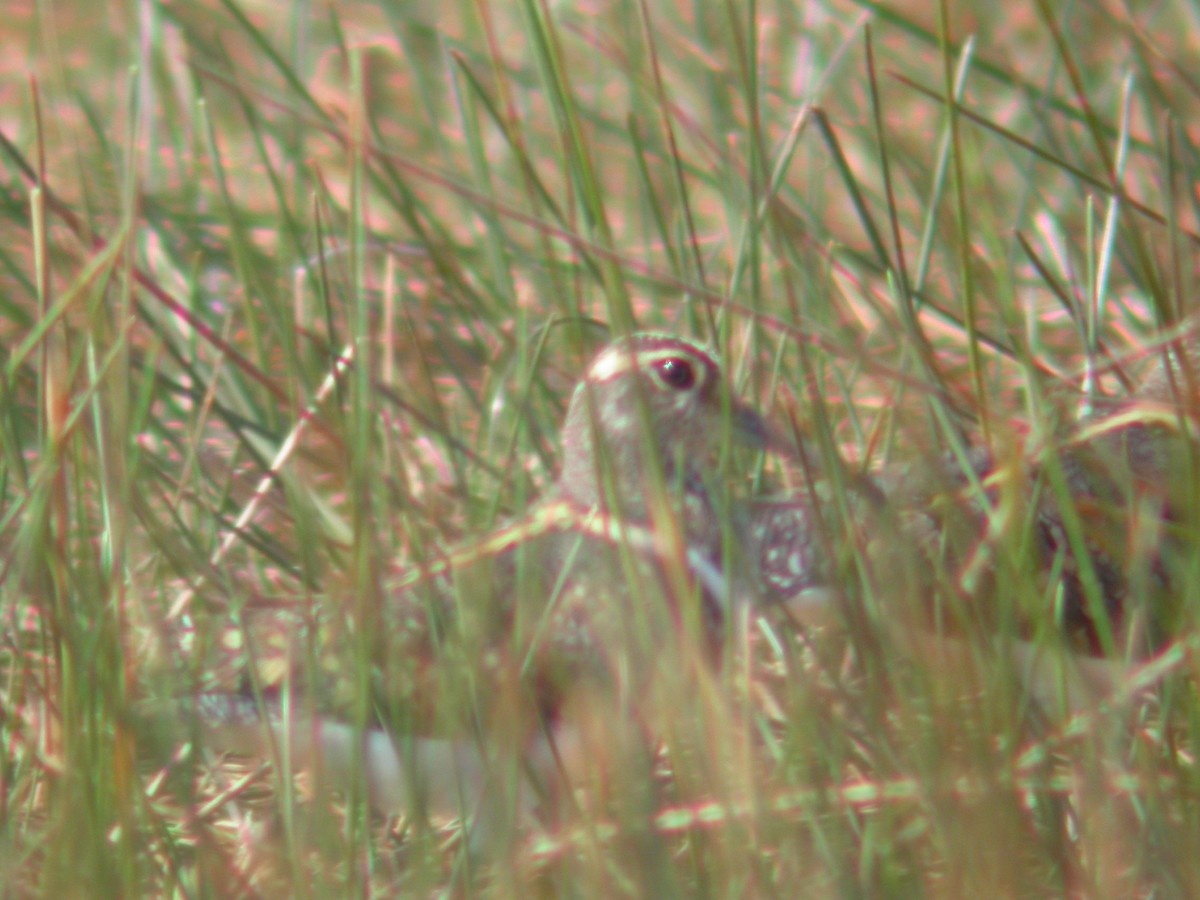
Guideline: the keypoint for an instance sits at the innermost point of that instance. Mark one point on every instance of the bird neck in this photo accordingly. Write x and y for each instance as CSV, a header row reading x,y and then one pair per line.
x,y
614,461
623,481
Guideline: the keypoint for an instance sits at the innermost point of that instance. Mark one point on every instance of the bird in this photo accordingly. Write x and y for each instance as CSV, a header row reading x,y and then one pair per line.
x,y
626,572
634,562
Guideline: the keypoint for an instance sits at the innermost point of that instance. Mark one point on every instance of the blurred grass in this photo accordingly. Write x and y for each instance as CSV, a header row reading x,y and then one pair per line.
x,y
206,204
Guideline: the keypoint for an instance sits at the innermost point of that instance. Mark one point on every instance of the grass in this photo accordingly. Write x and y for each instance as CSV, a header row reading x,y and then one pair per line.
x,y
294,294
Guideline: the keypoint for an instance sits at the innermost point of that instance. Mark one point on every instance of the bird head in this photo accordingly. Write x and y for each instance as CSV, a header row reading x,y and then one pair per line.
x,y
649,406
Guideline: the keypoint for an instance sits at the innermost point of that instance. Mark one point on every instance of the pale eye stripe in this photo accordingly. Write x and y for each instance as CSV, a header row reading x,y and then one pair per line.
x,y
617,361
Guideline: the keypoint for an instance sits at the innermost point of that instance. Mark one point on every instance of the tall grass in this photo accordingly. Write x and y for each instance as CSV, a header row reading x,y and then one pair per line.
x,y
293,296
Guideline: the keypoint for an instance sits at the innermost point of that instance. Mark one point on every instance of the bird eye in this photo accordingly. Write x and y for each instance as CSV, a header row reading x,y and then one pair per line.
x,y
676,372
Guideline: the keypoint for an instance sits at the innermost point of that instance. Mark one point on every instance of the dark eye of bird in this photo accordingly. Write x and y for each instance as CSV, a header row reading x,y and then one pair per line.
x,y
676,372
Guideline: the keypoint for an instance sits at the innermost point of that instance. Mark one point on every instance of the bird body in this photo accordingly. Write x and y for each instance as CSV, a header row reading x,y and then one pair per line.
x,y
615,578
1099,526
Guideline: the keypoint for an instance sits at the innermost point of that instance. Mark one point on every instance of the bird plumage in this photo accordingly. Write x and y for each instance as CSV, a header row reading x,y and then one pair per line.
x,y
626,567
629,564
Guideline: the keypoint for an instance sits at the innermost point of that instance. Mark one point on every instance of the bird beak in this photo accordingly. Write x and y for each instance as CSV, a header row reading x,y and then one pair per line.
x,y
755,431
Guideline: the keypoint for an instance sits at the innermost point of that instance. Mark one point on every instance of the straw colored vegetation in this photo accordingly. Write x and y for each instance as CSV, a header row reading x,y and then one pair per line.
x,y
293,297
